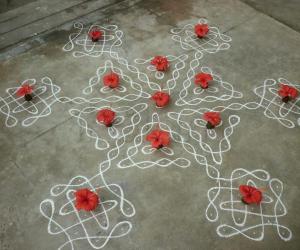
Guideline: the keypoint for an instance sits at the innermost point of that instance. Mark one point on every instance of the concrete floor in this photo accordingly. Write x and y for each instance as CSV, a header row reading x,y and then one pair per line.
x,y
171,203
286,12
6,5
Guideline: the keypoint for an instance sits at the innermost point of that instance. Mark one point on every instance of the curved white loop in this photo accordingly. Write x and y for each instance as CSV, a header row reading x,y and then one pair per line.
x,y
206,153
271,102
62,204
16,108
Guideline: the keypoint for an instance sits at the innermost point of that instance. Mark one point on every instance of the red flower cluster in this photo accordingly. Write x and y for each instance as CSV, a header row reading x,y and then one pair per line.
x,y
202,79
287,92
25,89
86,200
250,194
106,116
213,119
111,80
161,63
201,30
161,98
95,34
158,138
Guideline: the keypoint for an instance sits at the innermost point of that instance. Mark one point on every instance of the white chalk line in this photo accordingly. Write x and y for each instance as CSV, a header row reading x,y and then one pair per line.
x,y
14,107
240,213
126,82
273,107
81,45
177,63
79,229
74,39
219,137
140,147
118,131
214,43
219,89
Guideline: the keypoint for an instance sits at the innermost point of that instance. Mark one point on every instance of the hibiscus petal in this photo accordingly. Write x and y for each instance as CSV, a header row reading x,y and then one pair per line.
x,y
158,138
161,63
156,144
250,194
106,116
244,190
212,117
86,199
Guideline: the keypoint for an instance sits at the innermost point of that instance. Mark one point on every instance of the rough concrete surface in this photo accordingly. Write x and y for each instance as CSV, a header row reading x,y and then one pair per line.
x,y
286,12
171,203
6,5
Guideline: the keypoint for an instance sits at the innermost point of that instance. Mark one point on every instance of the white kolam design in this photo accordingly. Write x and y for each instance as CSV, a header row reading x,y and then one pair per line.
x,y
17,109
176,64
164,157
211,142
81,44
214,41
247,220
194,95
109,221
86,119
136,118
286,114
127,84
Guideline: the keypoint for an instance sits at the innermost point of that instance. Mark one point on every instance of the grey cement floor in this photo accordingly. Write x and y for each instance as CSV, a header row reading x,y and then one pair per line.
x,y
6,5
170,202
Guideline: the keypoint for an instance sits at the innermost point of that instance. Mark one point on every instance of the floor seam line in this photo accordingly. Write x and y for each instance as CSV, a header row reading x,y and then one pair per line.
x,y
46,131
3,49
41,18
22,173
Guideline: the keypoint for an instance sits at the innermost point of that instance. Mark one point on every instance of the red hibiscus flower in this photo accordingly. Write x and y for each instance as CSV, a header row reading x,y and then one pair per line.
x,y
161,63
213,119
158,138
111,80
26,91
201,30
287,92
161,98
86,199
250,194
202,79
106,116
95,35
